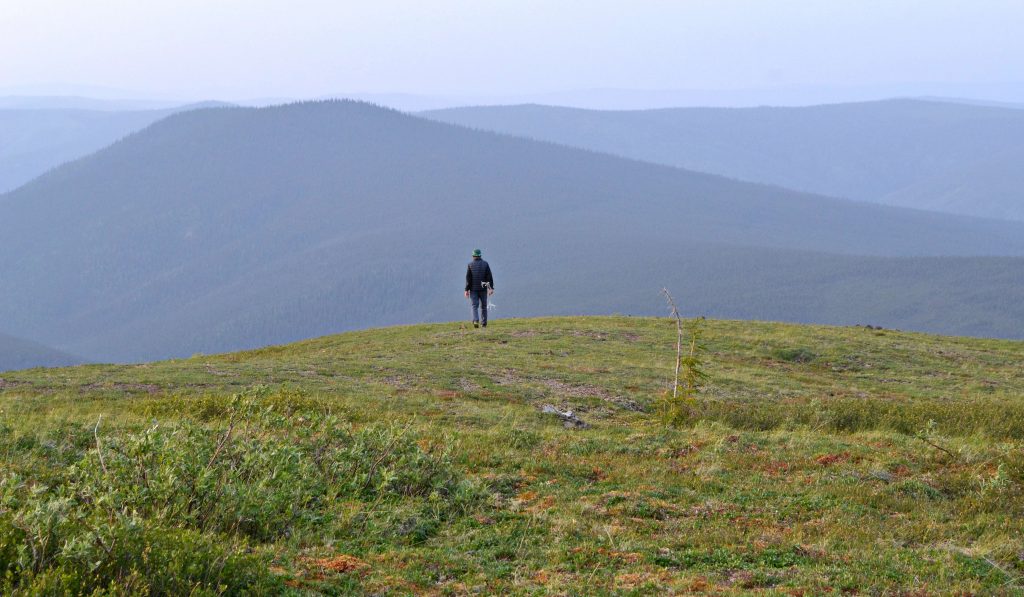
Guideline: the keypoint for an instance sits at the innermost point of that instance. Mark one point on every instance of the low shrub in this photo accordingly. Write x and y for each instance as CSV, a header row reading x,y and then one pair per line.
x,y
960,418
794,355
212,407
88,555
174,509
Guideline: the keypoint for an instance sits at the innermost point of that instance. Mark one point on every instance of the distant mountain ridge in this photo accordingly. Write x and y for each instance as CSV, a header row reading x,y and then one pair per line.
x,y
226,228
934,155
42,135
18,353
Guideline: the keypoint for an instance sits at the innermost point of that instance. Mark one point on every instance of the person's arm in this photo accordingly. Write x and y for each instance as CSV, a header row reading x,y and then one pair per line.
x,y
469,278
489,278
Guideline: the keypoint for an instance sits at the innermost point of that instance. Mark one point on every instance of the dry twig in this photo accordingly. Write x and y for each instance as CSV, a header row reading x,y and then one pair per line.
x,y
679,338
99,448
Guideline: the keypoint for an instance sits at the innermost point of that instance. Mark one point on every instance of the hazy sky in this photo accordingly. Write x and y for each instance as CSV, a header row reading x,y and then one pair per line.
x,y
235,49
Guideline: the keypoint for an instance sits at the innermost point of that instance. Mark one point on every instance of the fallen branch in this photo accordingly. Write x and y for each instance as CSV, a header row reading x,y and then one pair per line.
x,y
99,448
1012,580
222,442
387,451
935,445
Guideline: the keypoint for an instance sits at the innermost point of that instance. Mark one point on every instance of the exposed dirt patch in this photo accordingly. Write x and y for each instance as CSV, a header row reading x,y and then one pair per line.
x,y
523,334
340,564
214,371
5,384
508,377
575,391
590,334
122,386
565,390
830,459
468,385
402,382
709,509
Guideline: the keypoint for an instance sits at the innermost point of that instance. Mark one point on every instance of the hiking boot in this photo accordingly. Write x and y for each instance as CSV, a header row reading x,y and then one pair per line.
x,y
476,324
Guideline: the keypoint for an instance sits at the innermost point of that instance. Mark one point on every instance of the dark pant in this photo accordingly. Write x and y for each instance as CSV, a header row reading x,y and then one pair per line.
x,y
479,300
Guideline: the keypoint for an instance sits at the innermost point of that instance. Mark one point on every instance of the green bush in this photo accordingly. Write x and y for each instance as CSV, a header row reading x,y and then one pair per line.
x,y
794,355
964,417
135,559
174,509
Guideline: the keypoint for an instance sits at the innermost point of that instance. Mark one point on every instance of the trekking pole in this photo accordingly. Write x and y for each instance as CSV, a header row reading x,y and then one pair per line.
x,y
487,287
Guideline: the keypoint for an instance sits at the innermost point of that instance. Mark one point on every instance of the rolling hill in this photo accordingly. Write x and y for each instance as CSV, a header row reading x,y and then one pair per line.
x,y
225,228
16,353
419,460
934,155
38,139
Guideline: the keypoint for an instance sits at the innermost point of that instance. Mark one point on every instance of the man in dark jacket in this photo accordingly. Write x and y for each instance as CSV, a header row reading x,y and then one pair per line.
x,y
479,285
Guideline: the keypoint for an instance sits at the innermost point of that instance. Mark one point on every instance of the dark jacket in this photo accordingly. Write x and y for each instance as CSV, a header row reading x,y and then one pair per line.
x,y
477,274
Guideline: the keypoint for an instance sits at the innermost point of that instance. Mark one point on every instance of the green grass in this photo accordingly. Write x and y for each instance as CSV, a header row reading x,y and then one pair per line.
x,y
416,460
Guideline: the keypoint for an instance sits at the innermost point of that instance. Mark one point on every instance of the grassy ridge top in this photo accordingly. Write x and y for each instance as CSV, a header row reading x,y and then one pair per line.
x,y
803,472
770,371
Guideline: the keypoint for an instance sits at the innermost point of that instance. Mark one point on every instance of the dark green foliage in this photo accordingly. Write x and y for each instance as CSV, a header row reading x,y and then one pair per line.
x,y
794,355
730,559
680,405
129,558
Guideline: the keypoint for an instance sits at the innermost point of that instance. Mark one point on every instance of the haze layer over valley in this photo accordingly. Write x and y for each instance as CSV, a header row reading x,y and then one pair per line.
x,y
225,228
935,155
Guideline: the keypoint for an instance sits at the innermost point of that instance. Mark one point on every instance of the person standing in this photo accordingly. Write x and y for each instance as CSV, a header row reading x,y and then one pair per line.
x,y
479,285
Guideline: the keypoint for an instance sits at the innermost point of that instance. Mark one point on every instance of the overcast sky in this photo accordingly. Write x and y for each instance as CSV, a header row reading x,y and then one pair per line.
x,y
236,49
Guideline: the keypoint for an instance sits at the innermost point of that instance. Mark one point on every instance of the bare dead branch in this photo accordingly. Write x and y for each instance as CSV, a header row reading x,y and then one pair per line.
x,y
679,338
99,448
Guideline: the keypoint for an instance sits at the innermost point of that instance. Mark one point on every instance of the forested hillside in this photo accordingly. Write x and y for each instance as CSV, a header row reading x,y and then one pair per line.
x,y
226,228
924,154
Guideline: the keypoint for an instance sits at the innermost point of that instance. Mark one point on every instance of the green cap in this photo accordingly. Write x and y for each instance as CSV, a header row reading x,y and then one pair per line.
x,y
477,252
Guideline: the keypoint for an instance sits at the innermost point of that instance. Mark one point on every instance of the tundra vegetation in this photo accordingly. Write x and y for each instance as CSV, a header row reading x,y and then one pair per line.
x,y
821,460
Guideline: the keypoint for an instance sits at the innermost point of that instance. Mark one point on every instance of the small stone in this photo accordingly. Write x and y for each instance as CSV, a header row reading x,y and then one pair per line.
x,y
569,418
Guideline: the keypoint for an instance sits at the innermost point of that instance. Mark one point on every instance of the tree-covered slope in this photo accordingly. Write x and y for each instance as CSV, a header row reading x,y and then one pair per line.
x,y
924,154
991,183
817,460
224,228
